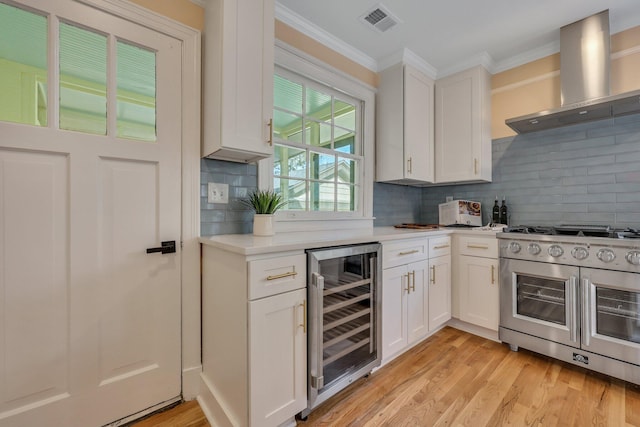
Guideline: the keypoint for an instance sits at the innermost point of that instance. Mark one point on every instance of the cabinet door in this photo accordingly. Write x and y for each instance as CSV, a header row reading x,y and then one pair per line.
x,y
238,79
417,301
418,125
439,291
394,301
479,291
277,358
463,127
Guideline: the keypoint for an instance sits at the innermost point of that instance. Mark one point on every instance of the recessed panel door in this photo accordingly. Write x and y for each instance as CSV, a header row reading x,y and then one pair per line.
x,y
89,179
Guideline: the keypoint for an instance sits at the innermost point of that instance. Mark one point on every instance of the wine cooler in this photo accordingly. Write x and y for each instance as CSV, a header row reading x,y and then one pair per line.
x,y
344,318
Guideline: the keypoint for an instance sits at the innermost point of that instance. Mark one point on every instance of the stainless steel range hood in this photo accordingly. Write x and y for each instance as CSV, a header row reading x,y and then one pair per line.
x,y
584,80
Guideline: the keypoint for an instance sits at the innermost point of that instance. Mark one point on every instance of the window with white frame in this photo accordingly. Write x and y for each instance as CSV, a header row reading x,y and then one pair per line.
x,y
318,146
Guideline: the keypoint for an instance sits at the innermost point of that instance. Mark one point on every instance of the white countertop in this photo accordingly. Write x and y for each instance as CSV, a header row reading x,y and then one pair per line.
x,y
248,244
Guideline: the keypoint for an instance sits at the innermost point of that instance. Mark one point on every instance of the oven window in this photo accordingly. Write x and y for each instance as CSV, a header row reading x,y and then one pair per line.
x,y
541,298
618,314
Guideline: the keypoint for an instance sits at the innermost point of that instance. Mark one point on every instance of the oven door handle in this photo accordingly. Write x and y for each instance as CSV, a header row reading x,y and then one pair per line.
x,y
586,312
316,296
573,308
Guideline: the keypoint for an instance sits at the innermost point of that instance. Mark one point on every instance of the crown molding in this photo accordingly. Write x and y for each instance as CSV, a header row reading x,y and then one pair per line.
x,y
407,56
200,3
483,59
528,56
292,19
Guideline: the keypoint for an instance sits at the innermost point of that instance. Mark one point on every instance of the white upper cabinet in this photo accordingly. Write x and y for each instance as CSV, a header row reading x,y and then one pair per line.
x,y
404,126
463,127
238,79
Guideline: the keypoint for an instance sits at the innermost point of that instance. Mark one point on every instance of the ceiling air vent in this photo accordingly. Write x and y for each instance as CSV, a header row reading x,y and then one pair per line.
x,y
380,19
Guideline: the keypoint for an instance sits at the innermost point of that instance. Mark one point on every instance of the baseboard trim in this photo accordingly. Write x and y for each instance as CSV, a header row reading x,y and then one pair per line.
x,y
474,329
212,407
191,382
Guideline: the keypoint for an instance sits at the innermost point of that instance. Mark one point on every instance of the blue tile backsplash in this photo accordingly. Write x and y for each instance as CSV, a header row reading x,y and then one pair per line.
x,y
234,217
582,174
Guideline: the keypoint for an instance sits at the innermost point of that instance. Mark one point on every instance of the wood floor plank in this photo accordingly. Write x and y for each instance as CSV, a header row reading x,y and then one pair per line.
x,y
456,379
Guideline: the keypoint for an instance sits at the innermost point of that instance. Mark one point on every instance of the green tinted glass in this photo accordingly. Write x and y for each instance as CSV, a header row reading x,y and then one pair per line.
x,y
318,105
136,106
322,166
287,95
23,66
83,80
322,196
287,126
293,191
289,161
344,115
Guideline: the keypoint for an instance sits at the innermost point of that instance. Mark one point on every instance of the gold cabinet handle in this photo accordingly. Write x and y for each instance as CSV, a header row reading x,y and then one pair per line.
x,y
433,274
283,275
493,274
475,166
470,246
409,165
413,281
408,288
441,247
304,318
408,252
270,141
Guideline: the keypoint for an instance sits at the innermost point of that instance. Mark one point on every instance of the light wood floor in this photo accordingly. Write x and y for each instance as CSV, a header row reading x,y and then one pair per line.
x,y
455,378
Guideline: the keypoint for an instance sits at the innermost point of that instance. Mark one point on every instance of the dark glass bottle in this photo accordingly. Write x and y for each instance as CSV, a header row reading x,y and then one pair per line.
x,y
495,217
503,212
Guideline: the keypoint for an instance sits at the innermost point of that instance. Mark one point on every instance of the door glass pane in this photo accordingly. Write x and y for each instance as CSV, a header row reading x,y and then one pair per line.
x,y
136,107
542,299
83,80
618,314
23,66
348,321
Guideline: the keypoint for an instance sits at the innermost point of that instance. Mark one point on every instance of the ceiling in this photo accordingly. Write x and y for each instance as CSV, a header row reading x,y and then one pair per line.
x,y
449,36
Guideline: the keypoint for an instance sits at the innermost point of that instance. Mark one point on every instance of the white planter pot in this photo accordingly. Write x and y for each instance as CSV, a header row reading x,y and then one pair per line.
x,y
263,225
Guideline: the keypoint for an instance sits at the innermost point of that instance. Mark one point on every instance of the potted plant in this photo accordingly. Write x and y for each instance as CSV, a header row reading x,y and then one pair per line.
x,y
265,203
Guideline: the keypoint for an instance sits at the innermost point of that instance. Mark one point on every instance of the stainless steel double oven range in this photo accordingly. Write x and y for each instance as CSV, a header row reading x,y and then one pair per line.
x,y
573,293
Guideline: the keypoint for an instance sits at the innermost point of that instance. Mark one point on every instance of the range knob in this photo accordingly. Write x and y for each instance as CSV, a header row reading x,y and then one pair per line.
x,y
515,247
534,248
606,255
555,251
580,253
633,257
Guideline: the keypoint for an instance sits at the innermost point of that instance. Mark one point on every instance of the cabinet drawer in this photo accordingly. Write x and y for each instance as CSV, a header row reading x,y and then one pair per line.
x,y
479,246
273,276
404,251
439,246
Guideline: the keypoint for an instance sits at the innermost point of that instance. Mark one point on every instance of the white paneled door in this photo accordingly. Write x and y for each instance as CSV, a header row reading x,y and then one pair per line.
x,y
90,168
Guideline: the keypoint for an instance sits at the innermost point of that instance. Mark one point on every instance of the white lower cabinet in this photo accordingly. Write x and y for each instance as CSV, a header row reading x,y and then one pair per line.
x,y
479,291
416,295
254,338
476,283
439,291
277,357
405,307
